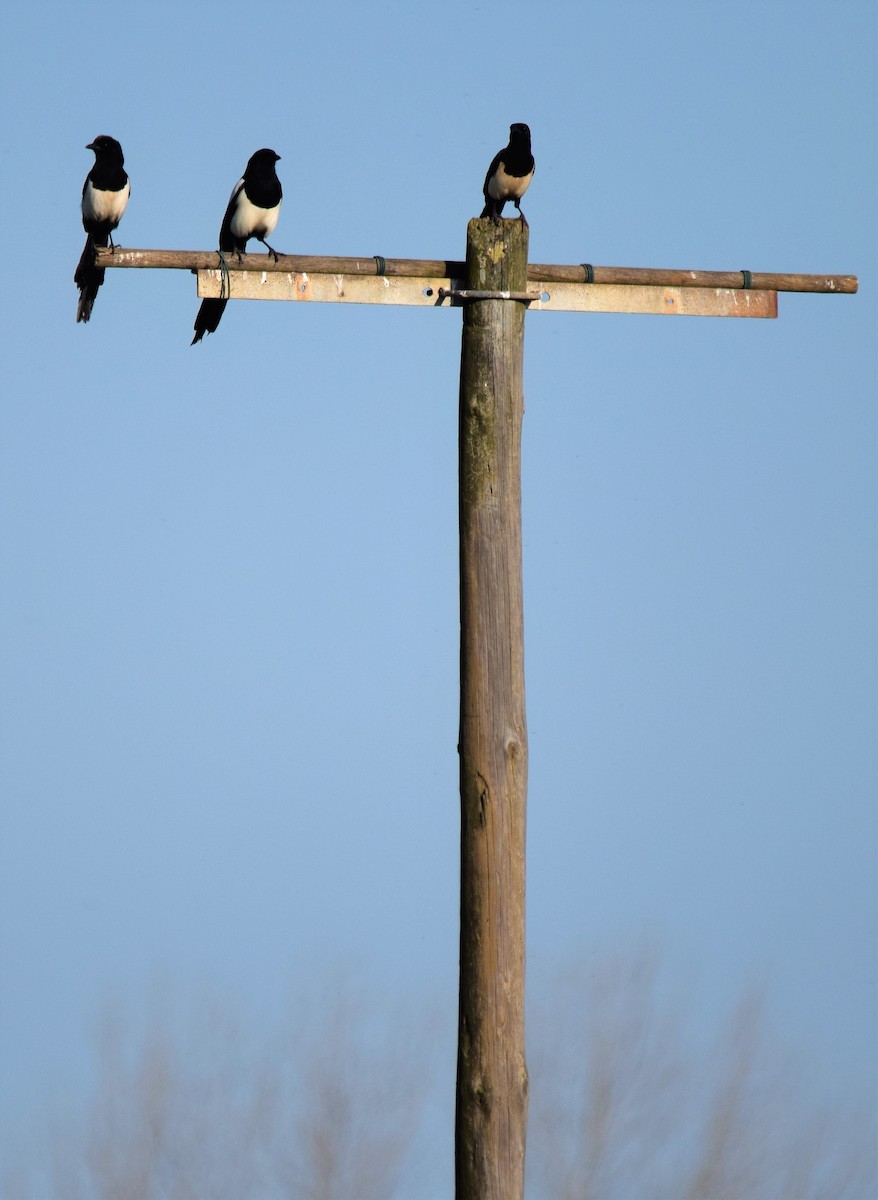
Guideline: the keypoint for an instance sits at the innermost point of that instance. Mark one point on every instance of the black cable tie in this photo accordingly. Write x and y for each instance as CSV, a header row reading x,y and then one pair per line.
x,y
589,272
380,265
748,281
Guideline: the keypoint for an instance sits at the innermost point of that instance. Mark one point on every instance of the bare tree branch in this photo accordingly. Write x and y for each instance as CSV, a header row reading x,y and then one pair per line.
x,y
633,1097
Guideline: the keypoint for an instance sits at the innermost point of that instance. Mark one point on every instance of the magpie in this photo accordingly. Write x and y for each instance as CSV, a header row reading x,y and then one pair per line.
x,y
509,174
104,197
252,212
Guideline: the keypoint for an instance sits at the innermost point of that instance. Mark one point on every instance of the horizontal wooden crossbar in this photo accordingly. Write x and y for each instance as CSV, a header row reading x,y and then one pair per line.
x,y
756,281
448,292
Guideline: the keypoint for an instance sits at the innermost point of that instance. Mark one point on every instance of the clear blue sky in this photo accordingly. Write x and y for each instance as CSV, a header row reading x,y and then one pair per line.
x,y
229,601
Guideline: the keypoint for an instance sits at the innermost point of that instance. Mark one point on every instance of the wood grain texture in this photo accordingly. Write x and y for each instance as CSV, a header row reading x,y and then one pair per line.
x,y
491,1117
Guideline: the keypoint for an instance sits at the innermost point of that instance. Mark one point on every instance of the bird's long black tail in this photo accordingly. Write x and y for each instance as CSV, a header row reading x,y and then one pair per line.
x,y
209,316
88,278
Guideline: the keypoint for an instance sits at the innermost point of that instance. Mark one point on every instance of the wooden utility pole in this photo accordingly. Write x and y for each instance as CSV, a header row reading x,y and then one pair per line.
x,y
491,1118
491,1114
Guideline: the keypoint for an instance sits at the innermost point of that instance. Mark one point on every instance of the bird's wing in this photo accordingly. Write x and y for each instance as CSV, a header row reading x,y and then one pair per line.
x,y
495,163
226,241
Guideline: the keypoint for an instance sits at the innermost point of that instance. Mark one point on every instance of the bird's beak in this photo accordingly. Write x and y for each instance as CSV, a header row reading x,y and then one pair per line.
x,y
90,146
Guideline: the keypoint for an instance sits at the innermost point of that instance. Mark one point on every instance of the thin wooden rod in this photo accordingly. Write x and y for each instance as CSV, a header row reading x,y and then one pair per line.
x,y
759,281
201,260
194,260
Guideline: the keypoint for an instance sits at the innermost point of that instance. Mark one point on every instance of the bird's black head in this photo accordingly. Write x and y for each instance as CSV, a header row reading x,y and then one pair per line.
x,y
106,149
519,132
263,158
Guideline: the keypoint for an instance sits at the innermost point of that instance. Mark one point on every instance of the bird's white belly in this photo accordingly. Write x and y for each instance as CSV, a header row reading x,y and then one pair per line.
x,y
508,187
104,206
251,221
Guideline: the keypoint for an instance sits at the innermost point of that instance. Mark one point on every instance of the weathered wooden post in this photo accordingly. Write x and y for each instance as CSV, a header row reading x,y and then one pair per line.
x,y
491,1115
491,1073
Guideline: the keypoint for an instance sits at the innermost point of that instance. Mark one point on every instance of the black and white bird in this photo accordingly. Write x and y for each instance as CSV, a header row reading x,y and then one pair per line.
x,y
104,198
252,211
509,174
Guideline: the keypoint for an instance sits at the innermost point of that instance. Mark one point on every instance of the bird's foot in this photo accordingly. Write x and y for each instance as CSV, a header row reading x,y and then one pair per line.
x,y
274,254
